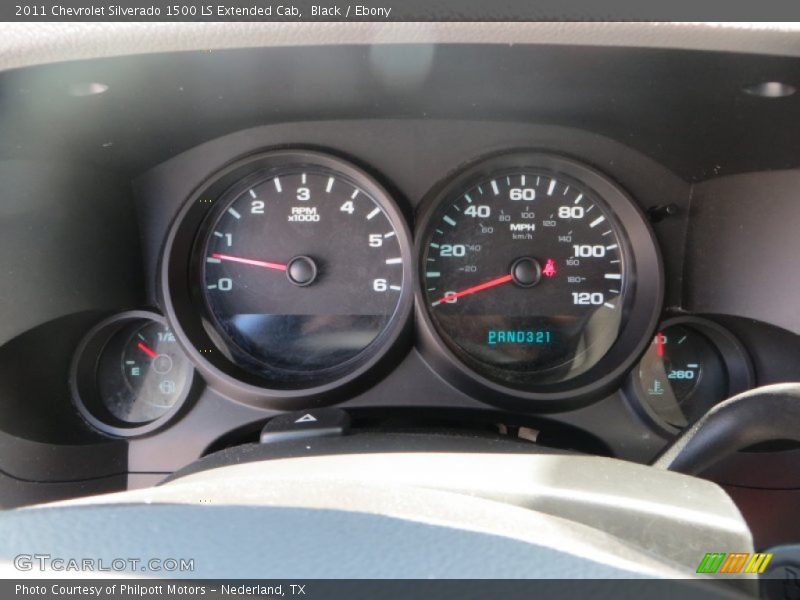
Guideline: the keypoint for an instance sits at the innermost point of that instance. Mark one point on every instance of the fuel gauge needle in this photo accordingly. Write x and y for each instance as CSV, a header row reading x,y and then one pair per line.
x,y
143,347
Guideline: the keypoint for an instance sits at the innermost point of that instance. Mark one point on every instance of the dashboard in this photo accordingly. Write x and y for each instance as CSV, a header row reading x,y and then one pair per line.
x,y
586,248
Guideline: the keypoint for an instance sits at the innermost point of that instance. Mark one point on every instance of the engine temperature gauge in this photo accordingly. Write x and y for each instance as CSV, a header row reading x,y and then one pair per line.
x,y
691,365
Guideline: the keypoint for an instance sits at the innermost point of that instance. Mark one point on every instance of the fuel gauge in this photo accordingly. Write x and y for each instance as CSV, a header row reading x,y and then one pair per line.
x,y
691,365
154,372
130,375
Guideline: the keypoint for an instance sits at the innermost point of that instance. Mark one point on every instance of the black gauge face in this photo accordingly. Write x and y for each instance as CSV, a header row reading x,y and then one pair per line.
x,y
683,375
525,275
142,372
130,375
301,270
691,365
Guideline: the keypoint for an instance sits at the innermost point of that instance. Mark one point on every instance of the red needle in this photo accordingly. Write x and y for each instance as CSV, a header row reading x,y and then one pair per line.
x,y
660,344
150,354
474,288
250,261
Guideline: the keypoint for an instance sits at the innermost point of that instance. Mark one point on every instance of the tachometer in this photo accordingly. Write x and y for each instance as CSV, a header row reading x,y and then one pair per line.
x,y
300,271
530,274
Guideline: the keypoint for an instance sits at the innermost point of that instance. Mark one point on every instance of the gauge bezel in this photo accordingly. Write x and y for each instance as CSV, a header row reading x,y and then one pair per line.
x,y
737,361
83,374
185,312
640,315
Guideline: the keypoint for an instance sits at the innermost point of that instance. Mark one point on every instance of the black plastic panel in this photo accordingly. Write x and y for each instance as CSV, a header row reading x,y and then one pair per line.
x,y
15,492
68,242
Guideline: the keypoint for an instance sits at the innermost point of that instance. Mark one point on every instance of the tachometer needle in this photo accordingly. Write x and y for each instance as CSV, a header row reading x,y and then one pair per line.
x,y
250,261
150,354
475,288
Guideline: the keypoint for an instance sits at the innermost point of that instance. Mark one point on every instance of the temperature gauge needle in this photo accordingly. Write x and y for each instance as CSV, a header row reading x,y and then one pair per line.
x,y
250,261
475,288
660,344
150,354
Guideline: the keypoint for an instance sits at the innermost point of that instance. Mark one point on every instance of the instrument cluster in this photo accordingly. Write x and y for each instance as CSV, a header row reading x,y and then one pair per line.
x,y
291,279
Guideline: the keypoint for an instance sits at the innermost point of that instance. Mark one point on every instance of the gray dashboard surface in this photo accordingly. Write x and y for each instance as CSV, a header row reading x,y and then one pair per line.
x,y
409,515
29,44
267,543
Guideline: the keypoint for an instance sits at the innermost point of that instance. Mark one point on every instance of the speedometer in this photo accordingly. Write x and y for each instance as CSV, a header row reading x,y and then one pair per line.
x,y
532,267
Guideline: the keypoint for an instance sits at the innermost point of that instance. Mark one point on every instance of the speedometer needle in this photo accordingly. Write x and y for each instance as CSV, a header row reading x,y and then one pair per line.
x,y
250,261
475,288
